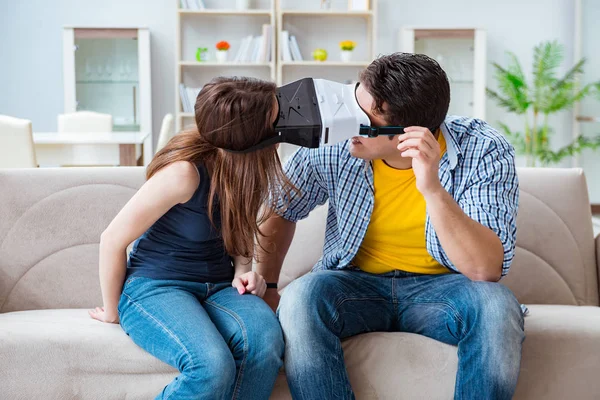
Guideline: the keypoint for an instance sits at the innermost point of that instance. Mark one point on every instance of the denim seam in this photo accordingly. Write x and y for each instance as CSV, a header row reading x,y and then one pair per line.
x,y
455,313
237,319
163,327
336,317
395,302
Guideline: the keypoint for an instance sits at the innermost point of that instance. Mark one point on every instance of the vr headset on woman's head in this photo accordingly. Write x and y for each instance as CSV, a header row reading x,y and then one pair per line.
x,y
318,112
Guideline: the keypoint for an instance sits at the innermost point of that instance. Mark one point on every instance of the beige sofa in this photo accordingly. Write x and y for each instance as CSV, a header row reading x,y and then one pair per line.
x,y
50,224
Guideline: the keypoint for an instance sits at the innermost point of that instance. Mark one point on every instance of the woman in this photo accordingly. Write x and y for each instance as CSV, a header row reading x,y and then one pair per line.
x,y
189,296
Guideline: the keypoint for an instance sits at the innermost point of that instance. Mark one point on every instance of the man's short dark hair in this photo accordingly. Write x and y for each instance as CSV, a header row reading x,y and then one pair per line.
x,y
414,88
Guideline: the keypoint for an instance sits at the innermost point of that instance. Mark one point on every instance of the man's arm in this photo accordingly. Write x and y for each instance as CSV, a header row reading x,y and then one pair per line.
x,y
476,236
475,250
272,250
279,230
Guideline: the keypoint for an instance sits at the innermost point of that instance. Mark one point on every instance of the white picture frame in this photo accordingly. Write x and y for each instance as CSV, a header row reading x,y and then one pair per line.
x,y
358,5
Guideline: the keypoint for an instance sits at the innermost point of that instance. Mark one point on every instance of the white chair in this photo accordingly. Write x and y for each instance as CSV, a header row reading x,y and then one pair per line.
x,y
16,143
166,132
85,121
88,122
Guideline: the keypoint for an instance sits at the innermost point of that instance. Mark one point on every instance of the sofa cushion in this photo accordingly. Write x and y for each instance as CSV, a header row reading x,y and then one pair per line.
x,y
51,220
306,248
65,354
72,356
561,353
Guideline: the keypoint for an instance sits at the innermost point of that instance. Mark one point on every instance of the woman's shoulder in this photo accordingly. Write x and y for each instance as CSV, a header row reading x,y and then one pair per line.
x,y
182,177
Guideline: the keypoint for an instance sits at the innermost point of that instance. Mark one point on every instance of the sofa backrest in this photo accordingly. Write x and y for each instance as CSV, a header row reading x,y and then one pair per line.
x,y
50,226
51,221
555,256
555,259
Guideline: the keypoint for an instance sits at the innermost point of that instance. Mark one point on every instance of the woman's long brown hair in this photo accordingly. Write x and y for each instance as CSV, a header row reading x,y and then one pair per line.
x,y
234,114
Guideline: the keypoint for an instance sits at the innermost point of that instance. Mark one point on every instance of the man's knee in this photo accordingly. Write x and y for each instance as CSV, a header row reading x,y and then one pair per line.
x,y
494,308
305,300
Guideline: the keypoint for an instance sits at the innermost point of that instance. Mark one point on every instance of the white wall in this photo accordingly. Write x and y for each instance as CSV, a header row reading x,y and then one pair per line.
x,y
31,52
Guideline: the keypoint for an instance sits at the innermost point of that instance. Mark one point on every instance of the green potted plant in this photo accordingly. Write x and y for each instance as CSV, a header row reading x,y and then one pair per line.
x,y
535,100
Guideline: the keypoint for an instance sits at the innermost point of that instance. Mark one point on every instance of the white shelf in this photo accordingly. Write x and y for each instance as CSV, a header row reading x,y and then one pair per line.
x,y
328,13
211,12
185,115
61,138
324,64
581,118
225,64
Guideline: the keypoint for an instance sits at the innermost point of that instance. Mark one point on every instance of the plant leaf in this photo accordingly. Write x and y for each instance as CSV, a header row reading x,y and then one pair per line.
x,y
577,146
547,57
513,88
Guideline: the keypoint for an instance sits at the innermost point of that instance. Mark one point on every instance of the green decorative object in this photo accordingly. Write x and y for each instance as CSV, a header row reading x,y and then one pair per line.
x,y
536,99
320,55
202,54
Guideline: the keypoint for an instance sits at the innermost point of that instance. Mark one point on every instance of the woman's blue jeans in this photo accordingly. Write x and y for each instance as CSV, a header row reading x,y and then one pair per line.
x,y
225,345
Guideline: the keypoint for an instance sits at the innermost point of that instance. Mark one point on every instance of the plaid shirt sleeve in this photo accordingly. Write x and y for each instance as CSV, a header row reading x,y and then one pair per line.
x,y
492,196
302,172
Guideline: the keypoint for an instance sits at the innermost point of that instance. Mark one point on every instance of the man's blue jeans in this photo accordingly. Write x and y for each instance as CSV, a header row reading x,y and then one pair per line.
x,y
225,345
484,319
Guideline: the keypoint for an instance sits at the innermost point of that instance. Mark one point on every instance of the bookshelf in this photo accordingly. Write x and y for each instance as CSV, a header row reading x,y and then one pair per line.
x,y
462,54
219,20
586,115
310,24
315,27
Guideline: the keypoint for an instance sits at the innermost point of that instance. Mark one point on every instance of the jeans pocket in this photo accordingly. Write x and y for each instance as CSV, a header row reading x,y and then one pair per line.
x,y
129,283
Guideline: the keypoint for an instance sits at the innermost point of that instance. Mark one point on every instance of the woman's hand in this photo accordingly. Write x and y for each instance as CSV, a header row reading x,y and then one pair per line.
x,y
102,316
250,282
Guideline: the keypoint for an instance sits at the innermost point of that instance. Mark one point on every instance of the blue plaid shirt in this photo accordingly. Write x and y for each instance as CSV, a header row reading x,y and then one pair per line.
x,y
478,170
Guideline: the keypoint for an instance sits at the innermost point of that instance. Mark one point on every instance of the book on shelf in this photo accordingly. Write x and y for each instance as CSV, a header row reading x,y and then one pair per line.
x,y
188,97
256,48
290,51
193,5
264,43
286,54
296,55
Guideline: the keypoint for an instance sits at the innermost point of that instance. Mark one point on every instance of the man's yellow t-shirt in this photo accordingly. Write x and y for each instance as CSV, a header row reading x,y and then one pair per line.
x,y
395,238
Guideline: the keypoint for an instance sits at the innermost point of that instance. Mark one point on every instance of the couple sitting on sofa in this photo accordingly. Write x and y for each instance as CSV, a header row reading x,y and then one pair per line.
x,y
421,226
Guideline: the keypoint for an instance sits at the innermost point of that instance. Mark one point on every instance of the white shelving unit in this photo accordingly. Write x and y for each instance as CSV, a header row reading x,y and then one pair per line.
x,y
586,115
462,54
204,28
107,70
315,28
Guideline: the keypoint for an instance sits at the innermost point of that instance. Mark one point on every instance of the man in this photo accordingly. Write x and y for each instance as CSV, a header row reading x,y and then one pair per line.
x,y
421,226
